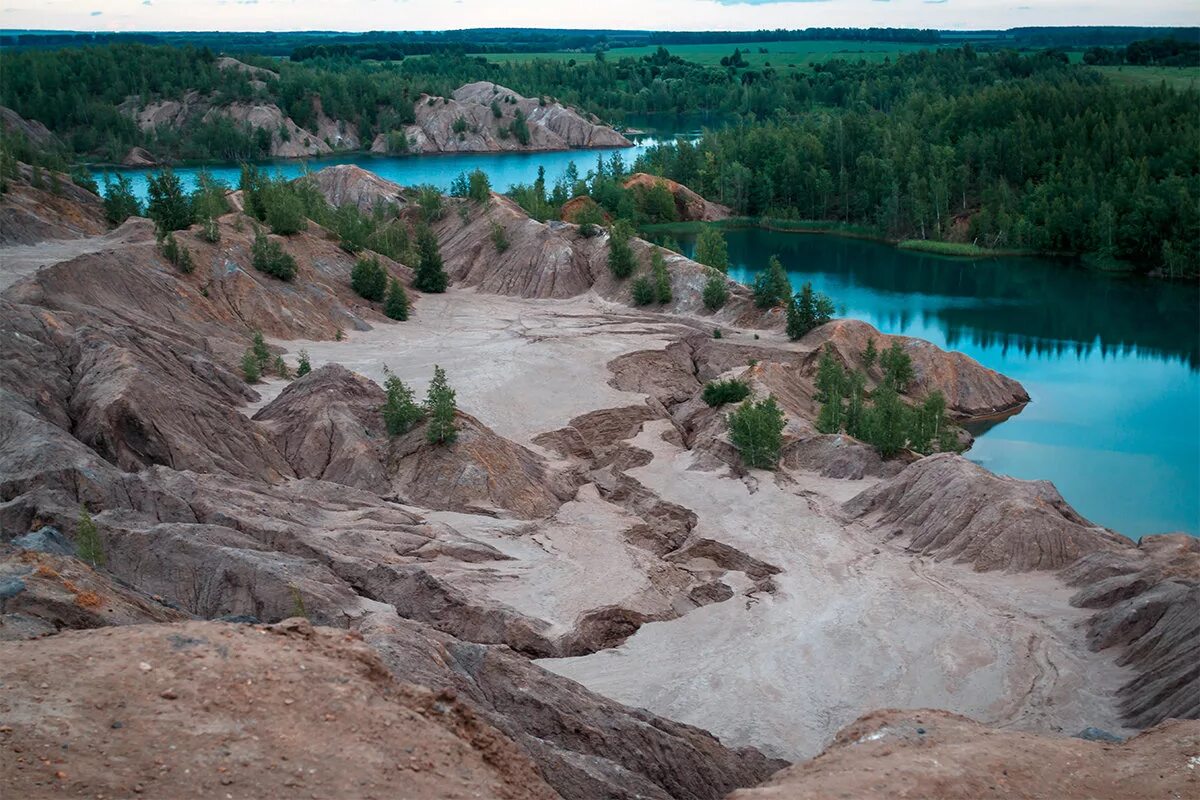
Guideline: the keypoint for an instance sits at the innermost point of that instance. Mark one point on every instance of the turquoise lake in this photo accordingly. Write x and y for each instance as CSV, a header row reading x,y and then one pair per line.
x,y
1112,364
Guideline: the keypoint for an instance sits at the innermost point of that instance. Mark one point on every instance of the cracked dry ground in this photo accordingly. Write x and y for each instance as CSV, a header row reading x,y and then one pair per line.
x,y
818,621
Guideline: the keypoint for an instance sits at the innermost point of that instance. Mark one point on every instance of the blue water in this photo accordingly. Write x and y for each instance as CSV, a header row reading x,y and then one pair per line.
x,y
1112,364
504,169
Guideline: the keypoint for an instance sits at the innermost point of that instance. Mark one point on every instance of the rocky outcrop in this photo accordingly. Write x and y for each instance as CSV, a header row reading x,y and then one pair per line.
x,y
1149,601
891,754
139,157
970,389
100,705
468,122
33,131
288,140
689,206
347,184
952,509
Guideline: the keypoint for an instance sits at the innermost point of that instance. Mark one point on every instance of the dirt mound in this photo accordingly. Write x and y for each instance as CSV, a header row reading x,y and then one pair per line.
x,y
208,709
689,206
45,205
971,389
1150,601
139,157
468,122
45,592
328,425
584,745
953,509
934,754
576,205
347,184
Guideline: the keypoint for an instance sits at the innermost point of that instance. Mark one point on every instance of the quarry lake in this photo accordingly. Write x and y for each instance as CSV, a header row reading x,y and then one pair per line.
x,y
1112,364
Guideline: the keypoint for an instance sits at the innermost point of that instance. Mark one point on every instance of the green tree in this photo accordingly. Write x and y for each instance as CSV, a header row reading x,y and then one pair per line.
x,y
897,367
657,204
479,188
642,290
439,403
88,546
281,368
771,287
262,353
267,255
718,393
887,422
369,279
832,386
870,354
400,412
285,210
855,418
716,292
807,310
303,367
251,371
756,430
395,306
621,261
712,250
662,278
168,206
120,203
928,423
520,128
430,275
208,198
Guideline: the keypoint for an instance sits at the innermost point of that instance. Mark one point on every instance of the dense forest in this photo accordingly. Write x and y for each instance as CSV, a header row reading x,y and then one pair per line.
x,y
1002,150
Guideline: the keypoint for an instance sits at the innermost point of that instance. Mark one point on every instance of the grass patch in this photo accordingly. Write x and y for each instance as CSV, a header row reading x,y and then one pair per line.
x,y
1180,78
782,56
957,249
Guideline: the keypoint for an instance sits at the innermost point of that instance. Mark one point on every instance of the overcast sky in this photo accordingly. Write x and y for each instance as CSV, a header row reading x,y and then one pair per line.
x,y
356,15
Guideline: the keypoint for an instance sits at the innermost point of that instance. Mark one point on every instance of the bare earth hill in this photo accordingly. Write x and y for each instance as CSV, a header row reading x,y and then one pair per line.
x,y
587,594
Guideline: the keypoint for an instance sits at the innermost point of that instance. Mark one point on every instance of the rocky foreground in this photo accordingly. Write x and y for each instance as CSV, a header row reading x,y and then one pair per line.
x,y
568,599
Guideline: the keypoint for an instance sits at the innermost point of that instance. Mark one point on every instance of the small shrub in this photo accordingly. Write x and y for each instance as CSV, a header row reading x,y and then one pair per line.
x,y
267,256
88,546
716,292
303,367
756,430
718,393
621,261
281,368
499,237
400,412
717,333
396,305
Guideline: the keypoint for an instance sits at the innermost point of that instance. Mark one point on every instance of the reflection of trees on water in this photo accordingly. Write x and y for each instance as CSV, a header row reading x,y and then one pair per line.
x,y
1033,306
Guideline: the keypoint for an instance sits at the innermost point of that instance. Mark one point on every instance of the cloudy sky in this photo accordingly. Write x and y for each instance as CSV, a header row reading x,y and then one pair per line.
x,y
353,15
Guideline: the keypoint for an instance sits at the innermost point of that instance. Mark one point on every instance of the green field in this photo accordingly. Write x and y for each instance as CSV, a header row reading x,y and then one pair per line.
x,y
1175,77
783,56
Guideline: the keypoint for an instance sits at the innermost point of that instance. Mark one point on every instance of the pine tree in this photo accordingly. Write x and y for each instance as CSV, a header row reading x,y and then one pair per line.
x,y
439,403
120,203
368,279
400,412
870,354
168,206
756,430
281,368
887,422
396,305
831,392
855,418
771,287
430,276
88,546
807,310
262,353
621,261
662,278
716,292
642,291
304,367
250,368
712,250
